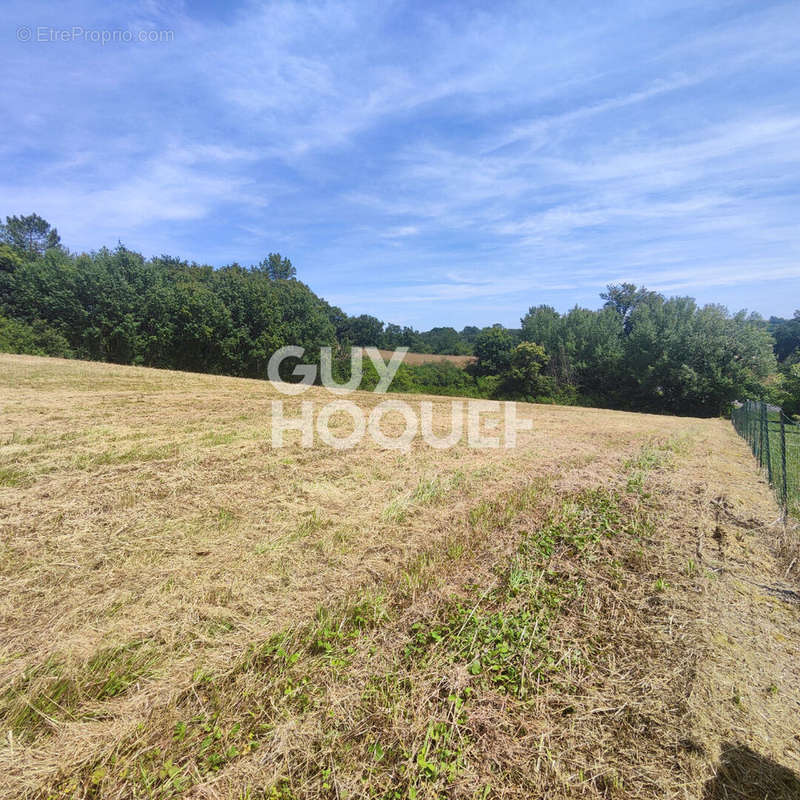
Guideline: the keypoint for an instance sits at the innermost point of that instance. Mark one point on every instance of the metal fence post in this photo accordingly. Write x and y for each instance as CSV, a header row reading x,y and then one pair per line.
x,y
784,487
768,442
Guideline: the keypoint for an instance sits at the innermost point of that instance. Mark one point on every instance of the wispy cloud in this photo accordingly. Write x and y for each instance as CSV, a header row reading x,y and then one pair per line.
x,y
428,163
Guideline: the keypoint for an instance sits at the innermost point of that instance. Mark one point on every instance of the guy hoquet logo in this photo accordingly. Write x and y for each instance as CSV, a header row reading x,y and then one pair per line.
x,y
489,424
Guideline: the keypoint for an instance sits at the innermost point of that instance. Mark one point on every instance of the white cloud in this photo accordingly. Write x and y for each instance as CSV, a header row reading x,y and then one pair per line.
x,y
449,156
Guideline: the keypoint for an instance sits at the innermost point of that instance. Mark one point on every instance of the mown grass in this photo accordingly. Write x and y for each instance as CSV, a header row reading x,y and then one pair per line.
x,y
427,492
501,635
472,619
134,455
57,691
406,730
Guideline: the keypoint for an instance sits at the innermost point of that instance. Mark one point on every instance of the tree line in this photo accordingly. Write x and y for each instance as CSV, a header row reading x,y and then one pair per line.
x,y
639,351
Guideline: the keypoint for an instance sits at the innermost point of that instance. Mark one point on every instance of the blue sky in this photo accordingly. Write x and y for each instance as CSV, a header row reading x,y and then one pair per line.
x,y
430,162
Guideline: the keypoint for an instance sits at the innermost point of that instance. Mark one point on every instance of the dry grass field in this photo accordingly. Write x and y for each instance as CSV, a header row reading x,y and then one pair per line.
x,y
415,359
606,610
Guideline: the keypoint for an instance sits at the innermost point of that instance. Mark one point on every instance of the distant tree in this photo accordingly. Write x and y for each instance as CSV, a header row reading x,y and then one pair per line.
x,y
411,339
542,324
338,319
624,298
10,262
469,333
524,375
38,339
592,353
392,336
790,387
639,351
687,360
787,335
493,348
364,331
444,340
29,235
277,268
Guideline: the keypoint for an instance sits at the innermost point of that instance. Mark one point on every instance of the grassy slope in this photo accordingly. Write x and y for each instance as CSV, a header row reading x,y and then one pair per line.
x,y
188,610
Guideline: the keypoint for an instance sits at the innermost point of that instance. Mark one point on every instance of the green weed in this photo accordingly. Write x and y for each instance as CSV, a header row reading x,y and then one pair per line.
x,y
11,477
54,690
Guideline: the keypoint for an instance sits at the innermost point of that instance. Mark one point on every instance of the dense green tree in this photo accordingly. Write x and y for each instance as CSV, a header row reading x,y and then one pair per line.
x,y
37,339
10,262
543,325
363,331
29,235
790,388
412,339
277,268
392,336
118,306
687,360
338,319
787,335
445,341
624,298
525,376
493,348
469,333
591,354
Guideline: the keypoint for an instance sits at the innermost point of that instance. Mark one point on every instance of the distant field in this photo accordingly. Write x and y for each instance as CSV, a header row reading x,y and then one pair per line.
x,y
415,359
187,611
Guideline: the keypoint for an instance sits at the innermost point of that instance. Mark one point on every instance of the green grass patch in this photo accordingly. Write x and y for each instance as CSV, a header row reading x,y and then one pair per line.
x,y
218,438
500,635
429,491
12,477
55,690
135,455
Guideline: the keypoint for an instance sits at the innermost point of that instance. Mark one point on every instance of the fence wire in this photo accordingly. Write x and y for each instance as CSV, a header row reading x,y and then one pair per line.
x,y
775,442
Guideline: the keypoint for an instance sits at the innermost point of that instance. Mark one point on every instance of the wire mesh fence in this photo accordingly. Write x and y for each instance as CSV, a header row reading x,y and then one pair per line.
x,y
775,442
